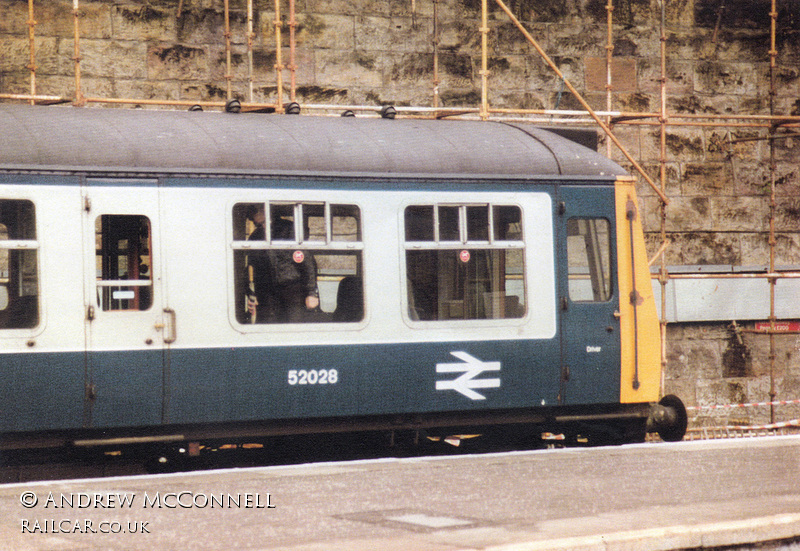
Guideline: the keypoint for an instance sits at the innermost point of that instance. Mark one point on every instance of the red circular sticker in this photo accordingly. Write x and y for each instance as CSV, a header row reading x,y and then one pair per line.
x,y
464,256
298,256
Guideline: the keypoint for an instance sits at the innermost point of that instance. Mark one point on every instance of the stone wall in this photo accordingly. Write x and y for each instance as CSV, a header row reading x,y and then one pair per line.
x,y
718,364
379,52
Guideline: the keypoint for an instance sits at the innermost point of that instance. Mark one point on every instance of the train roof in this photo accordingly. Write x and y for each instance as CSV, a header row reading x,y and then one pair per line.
x,y
65,138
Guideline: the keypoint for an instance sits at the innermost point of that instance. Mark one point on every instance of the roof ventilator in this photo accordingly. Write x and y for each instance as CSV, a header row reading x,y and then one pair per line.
x,y
292,108
233,106
388,112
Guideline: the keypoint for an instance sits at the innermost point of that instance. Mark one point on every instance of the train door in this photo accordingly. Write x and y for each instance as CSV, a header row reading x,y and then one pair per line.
x,y
127,324
590,327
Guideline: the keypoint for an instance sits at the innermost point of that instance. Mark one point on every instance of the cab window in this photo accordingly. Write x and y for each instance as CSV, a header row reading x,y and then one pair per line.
x,y
589,259
464,262
297,262
19,270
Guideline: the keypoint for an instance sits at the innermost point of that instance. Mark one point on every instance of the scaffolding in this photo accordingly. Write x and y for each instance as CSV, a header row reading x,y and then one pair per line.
x,y
776,126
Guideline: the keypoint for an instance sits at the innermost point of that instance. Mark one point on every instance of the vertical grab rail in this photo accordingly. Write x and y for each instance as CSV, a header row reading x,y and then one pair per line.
x,y
171,335
635,297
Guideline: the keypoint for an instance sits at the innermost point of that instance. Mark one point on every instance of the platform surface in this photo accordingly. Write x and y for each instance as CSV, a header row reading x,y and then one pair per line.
x,y
650,496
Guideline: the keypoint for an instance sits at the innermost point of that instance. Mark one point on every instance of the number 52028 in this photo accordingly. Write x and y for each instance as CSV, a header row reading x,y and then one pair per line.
x,y
313,376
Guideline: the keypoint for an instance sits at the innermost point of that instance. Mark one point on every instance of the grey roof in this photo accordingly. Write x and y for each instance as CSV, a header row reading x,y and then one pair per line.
x,y
65,137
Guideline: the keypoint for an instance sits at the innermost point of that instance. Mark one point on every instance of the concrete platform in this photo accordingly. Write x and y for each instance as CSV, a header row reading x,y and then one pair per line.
x,y
650,496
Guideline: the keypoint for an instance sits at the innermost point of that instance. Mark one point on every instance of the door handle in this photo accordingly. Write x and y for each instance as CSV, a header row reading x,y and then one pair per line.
x,y
171,333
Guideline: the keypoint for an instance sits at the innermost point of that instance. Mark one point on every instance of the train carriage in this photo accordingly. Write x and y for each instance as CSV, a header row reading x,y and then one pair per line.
x,y
155,271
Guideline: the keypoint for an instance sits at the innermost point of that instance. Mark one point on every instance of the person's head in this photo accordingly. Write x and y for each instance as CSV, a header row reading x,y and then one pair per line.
x,y
255,213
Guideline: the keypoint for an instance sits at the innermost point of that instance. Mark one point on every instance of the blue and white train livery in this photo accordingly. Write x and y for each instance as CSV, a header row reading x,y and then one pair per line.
x,y
191,276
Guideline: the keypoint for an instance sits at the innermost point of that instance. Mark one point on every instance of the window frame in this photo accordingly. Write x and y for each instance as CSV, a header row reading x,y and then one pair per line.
x,y
270,243
464,243
26,245
607,277
103,285
330,245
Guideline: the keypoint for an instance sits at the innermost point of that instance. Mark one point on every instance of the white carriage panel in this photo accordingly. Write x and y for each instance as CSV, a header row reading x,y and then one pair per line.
x,y
540,266
58,233
61,268
384,280
195,252
196,237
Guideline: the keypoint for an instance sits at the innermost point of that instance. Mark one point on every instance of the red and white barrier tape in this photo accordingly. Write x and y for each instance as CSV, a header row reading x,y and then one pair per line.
x,y
782,425
748,428
750,405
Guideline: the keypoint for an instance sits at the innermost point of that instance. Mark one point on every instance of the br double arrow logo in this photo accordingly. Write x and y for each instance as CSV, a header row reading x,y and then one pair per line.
x,y
470,368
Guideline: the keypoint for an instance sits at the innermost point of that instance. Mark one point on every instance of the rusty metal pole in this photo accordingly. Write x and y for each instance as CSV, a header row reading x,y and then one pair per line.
x,y
582,101
292,51
228,76
250,37
278,56
435,41
773,53
77,57
32,38
37,97
162,102
663,275
739,275
609,61
484,72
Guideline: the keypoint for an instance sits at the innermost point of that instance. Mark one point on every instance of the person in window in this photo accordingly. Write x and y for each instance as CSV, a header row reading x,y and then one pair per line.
x,y
284,282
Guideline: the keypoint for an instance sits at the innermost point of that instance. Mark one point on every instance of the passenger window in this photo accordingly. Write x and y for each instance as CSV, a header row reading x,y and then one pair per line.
x,y
589,259
19,270
464,262
419,223
449,224
297,262
124,262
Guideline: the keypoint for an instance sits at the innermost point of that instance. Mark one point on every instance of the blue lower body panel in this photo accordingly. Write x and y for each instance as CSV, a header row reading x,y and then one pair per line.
x,y
223,385
42,391
335,381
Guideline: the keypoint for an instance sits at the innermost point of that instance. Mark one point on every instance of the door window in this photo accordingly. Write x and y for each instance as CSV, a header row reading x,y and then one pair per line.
x,y
124,262
589,259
